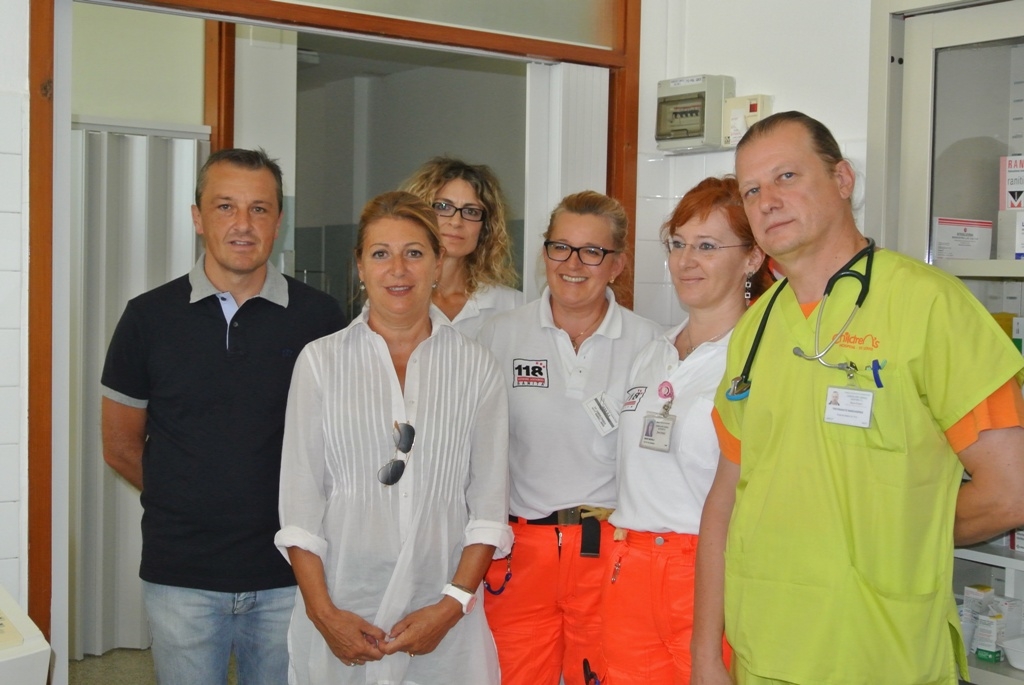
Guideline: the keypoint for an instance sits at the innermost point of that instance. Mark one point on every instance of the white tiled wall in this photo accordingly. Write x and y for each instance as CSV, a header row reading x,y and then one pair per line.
x,y
661,181
12,390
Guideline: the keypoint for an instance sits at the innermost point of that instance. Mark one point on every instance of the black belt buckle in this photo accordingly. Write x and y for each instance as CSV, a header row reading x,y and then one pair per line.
x,y
590,537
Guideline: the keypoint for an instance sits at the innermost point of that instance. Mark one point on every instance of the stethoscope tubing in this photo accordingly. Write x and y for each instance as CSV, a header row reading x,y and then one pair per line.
x,y
740,388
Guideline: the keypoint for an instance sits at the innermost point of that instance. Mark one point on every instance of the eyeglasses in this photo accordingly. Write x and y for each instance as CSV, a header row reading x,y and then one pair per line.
x,y
704,248
590,255
469,213
404,435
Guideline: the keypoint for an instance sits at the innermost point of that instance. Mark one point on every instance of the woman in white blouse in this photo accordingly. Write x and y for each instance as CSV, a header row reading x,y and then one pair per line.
x,y
477,277
668,451
394,477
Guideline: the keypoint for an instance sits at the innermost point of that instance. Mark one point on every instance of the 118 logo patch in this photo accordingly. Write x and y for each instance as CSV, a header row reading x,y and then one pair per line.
x,y
529,373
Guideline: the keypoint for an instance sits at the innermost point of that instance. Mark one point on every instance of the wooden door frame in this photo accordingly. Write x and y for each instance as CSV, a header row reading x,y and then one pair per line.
x,y
622,61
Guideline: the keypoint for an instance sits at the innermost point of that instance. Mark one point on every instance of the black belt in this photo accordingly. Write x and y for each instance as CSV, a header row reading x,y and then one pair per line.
x,y
590,538
562,517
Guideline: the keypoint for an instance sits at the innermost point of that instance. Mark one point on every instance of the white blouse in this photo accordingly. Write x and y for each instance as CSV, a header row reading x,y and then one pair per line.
x,y
389,550
664,492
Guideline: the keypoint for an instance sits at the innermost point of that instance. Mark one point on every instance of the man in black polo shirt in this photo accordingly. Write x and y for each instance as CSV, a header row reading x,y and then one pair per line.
x,y
194,391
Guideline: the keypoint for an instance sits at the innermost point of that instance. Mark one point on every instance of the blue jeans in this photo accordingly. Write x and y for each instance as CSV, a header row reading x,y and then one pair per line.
x,y
195,631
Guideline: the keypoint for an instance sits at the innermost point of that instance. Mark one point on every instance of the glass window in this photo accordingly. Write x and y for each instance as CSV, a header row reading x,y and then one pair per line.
x,y
978,127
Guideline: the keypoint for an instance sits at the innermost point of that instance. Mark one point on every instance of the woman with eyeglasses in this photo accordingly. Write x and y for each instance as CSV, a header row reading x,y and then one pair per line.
x,y
394,476
477,277
565,358
668,451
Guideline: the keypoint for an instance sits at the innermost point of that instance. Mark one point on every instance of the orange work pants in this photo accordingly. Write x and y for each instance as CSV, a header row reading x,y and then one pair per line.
x,y
647,610
547,619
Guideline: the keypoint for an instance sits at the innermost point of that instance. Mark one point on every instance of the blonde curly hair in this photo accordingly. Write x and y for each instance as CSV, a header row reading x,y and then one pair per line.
x,y
490,264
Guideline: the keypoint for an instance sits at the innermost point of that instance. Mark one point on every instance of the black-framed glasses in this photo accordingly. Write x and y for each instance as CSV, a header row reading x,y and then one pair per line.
x,y
590,255
469,212
704,247
404,435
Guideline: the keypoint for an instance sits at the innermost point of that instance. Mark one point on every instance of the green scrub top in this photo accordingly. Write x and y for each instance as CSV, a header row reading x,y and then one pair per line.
x,y
840,549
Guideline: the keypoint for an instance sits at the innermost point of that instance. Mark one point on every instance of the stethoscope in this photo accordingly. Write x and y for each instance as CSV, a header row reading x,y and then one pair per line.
x,y
740,387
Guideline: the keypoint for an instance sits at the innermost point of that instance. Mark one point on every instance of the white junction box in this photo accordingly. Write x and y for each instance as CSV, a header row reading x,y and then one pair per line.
x,y
24,653
690,113
740,113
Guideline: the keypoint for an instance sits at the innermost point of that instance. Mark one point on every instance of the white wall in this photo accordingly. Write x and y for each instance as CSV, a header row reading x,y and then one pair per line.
x,y
14,297
128,64
810,55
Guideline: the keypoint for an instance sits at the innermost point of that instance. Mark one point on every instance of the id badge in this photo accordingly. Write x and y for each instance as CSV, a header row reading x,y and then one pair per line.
x,y
848,406
657,432
601,413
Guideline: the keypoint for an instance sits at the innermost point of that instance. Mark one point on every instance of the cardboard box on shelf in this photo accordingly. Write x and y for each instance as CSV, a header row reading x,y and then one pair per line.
x,y
1010,234
961,238
1011,182
977,598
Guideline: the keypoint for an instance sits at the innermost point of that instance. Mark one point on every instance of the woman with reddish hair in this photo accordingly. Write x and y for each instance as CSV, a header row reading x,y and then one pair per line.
x,y
668,450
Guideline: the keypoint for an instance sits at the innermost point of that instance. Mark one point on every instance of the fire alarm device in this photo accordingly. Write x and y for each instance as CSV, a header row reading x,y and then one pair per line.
x,y
690,112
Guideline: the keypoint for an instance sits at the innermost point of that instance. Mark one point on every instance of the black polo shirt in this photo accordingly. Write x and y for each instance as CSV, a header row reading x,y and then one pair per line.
x,y
215,398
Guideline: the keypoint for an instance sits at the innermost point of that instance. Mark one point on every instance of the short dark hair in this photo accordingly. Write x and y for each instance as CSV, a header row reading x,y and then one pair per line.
x,y
822,140
248,159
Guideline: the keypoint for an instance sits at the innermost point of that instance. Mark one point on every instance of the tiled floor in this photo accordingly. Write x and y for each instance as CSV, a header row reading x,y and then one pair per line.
x,y
116,667
119,667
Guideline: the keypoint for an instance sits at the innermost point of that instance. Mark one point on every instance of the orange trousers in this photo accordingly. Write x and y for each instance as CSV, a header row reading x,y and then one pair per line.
x,y
547,619
647,610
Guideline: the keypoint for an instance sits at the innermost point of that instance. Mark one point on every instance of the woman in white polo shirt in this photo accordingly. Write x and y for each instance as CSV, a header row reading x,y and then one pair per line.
x,y
668,450
565,358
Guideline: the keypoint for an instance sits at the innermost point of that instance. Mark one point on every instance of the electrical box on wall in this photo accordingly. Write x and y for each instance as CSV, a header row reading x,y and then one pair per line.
x,y
690,111
740,113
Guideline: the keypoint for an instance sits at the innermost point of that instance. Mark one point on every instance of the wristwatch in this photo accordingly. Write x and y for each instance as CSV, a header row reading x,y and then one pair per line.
x,y
461,595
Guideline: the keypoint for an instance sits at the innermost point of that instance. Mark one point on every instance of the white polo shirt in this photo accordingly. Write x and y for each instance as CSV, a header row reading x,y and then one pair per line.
x,y
487,301
664,492
557,457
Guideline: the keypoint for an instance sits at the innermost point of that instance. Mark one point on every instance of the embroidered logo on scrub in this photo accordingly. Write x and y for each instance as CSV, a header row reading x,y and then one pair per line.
x,y
852,341
529,373
633,397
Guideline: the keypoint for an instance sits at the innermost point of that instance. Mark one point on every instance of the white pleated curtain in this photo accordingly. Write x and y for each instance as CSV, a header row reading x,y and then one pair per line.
x,y
132,190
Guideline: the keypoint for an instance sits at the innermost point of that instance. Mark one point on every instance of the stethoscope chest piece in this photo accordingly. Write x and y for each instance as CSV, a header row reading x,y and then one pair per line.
x,y
739,390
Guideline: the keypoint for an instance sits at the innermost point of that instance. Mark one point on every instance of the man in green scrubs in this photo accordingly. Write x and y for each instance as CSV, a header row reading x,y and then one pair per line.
x,y
826,542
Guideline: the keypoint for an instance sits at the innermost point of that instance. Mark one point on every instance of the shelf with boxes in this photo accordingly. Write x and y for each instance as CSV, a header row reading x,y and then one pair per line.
x,y
999,566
